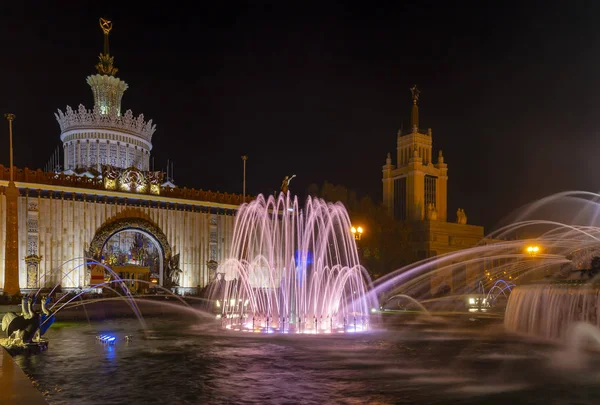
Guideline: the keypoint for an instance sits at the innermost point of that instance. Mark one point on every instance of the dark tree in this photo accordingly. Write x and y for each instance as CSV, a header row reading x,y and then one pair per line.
x,y
384,246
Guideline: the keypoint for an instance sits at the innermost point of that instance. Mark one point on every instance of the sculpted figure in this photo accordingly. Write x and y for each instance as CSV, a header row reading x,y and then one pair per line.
x,y
30,325
461,217
285,184
173,271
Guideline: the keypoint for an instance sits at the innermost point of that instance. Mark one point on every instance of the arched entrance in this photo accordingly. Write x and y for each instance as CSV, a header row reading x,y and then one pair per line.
x,y
144,240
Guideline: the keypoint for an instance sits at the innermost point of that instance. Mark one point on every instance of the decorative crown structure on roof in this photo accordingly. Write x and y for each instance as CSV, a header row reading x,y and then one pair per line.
x,y
87,119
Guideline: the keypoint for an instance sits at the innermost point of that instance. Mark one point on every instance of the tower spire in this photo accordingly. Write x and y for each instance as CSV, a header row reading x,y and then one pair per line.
x,y
105,61
414,116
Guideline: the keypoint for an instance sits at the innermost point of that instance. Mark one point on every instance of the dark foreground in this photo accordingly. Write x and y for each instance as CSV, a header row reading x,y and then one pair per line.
x,y
191,361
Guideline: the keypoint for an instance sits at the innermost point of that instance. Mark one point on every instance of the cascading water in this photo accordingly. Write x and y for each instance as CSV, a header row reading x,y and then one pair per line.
x,y
294,270
549,310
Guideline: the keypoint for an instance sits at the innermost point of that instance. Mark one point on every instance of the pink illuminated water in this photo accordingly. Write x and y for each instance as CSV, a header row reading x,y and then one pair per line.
x,y
294,270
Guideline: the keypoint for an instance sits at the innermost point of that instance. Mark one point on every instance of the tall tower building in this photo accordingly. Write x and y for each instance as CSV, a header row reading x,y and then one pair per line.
x,y
416,188
415,191
102,136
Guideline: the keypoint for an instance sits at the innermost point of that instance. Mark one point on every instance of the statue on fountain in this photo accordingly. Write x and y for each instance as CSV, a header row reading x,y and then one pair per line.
x,y
285,184
27,328
173,272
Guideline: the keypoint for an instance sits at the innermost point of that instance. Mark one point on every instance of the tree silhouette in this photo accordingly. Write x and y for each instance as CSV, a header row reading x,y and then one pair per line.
x,y
384,247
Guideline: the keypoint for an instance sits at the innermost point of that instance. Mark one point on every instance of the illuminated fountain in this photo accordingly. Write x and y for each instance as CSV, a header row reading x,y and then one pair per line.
x,y
568,295
541,271
294,270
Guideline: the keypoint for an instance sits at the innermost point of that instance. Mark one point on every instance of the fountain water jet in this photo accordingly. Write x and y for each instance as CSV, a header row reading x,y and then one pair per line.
x,y
294,269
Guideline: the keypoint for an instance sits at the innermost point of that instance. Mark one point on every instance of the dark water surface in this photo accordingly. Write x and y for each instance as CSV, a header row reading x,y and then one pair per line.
x,y
185,362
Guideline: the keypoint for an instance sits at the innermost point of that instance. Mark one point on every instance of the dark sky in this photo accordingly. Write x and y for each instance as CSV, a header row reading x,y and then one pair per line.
x,y
510,89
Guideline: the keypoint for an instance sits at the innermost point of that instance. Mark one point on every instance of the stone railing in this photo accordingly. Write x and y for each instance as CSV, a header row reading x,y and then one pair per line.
x,y
50,178
82,118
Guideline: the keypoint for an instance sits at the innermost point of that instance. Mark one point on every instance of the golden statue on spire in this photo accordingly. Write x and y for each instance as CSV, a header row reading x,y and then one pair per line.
x,y
415,93
105,64
105,25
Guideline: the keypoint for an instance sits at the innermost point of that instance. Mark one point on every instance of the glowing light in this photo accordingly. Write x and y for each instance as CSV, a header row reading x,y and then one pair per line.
x,y
472,301
294,263
110,184
357,232
108,339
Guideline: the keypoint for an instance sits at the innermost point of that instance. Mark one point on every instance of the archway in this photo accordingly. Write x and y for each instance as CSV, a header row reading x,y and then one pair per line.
x,y
150,234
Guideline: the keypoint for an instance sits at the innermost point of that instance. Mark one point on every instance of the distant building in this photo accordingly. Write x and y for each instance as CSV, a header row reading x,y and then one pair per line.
x,y
415,190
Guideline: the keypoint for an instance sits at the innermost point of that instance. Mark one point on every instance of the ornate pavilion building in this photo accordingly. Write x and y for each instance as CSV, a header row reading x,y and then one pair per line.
x,y
415,190
107,205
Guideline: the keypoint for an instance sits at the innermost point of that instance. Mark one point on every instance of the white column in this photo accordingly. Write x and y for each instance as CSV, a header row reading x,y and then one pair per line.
x,y
78,161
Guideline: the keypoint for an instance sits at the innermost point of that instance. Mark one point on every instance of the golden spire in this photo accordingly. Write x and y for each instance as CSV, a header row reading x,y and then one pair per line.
x,y
414,117
105,64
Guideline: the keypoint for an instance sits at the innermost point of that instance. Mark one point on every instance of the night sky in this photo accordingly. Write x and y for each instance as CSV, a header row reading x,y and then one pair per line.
x,y
512,92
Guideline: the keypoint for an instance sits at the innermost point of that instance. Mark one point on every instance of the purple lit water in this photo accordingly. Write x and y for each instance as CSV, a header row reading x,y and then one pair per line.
x,y
293,269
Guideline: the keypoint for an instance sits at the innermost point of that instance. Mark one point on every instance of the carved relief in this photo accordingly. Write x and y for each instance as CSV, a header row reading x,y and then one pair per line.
x,y
212,269
132,180
32,244
32,224
33,264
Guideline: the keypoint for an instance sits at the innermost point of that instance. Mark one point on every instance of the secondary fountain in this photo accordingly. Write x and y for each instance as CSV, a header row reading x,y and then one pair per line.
x,y
569,294
293,270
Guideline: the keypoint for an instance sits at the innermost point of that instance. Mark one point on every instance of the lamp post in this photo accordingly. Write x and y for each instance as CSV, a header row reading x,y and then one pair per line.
x,y
11,250
10,118
357,232
244,158
533,250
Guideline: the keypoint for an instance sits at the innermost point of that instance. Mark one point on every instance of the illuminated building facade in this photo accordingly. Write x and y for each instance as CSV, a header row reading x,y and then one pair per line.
x,y
72,214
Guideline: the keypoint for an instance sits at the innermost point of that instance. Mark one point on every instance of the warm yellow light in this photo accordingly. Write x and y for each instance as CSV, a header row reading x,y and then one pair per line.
x,y
533,249
110,184
353,230
360,230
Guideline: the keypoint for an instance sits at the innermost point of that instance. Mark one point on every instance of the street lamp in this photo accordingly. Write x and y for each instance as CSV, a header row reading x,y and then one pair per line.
x,y
533,250
357,232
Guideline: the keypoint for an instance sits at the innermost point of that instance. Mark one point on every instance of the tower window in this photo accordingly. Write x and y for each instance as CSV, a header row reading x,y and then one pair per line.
x,y
430,186
400,198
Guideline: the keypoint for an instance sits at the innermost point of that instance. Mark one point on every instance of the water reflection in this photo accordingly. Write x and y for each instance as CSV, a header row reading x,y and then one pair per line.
x,y
178,362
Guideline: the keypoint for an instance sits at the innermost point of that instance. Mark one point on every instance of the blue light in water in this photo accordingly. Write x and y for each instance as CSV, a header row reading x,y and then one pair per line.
x,y
302,260
107,339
